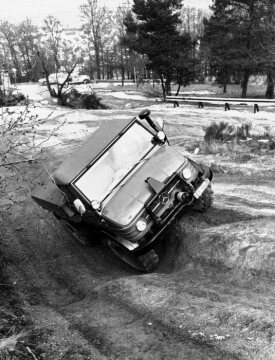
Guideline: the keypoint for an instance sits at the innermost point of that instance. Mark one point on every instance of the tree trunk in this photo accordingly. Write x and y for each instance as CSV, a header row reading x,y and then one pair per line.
x,y
115,62
245,83
168,85
177,93
163,86
224,88
269,94
122,67
97,63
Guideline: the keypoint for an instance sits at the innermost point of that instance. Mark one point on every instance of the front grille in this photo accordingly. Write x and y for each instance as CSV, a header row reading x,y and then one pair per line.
x,y
165,202
130,232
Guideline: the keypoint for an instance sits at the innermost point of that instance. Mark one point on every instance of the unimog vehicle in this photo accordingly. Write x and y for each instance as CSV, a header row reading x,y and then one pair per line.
x,y
126,185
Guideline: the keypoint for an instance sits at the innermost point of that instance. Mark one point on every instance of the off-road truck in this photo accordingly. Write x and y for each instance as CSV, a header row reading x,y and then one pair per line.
x,y
126,185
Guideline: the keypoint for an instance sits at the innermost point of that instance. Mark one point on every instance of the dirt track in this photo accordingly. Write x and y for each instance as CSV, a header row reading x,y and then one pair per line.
x,y
212,296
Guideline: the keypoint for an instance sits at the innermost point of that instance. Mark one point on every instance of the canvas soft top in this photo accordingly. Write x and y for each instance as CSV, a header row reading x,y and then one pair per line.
x,y
84,155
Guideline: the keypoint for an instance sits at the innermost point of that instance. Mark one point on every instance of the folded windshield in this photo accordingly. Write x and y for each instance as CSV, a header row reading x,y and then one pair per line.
x,y
109,170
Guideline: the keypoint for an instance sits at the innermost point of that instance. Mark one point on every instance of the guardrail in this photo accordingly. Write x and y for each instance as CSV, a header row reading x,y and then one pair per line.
x,y
126,81
200,100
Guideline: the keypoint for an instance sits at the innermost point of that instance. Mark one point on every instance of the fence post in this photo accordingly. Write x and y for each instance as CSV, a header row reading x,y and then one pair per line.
x,y
256,108
226,106
200,103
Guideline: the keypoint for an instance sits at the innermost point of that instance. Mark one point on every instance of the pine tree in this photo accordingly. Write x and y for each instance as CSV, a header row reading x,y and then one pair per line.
x,y
240,39
152,30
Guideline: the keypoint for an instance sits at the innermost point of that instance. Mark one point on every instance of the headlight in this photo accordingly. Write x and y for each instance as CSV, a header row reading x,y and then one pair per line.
x,y
141,225
78,204
186,173
95,204
161,136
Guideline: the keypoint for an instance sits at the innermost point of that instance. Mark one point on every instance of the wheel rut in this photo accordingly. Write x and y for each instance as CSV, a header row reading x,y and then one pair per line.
x,y
120,332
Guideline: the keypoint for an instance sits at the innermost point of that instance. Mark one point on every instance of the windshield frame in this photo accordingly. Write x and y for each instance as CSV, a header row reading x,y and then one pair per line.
x,y
103,153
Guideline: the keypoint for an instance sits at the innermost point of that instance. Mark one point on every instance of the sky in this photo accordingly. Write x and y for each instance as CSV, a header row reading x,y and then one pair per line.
x,y
67,11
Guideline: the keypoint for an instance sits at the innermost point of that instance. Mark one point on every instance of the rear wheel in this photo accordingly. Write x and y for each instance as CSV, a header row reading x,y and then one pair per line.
x,y
205,201
144,263
86,81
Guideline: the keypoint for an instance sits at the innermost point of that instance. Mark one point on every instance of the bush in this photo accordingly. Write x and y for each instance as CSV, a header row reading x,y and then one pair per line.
x,y
219,132
150,90
243,131
222,138
75,100
10,99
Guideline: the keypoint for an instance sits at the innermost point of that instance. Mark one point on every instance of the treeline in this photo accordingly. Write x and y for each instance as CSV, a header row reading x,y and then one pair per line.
x,y
100,47
239,41
150,39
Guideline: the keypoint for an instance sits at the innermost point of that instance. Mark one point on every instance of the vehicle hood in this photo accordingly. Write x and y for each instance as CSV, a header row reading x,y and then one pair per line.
x,y
129,200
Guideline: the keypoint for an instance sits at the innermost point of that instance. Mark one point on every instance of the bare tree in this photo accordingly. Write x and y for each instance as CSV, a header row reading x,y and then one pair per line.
x,y
97,24
21,146
192,21
131,63
57,54
9,40
28,36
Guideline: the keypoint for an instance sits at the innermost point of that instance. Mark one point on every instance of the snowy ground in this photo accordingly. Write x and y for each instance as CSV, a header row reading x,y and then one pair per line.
x,y
212,296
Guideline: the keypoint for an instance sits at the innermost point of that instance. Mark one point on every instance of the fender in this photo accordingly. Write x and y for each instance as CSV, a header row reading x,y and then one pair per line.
x,y
51,198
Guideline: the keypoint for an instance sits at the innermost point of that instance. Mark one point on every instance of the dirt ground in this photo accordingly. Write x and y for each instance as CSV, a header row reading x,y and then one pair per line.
x,y
212,296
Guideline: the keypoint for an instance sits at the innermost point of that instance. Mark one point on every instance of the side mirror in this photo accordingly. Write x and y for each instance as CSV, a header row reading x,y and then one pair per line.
x,y
156,125
160,123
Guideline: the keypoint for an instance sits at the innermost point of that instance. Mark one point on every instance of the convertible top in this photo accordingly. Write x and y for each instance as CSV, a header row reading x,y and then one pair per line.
x,y
93,147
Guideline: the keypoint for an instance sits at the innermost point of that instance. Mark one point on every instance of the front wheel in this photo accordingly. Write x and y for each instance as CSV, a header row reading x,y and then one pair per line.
x,y
81,232
85,81
144,263
205,202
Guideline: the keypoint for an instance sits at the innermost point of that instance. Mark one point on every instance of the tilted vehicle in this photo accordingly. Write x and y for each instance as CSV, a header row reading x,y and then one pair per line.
x,y
128,184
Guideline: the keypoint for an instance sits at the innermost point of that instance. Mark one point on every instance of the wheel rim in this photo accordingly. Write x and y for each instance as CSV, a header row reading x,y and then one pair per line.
x,y
125,255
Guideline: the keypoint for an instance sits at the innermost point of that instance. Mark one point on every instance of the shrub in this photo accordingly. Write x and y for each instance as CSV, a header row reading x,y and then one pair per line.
x,y
74,99
243,131
151,90
12,99
223,138
219,132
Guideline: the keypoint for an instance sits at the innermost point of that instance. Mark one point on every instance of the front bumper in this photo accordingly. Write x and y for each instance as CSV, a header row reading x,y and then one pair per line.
x,y
162,213
162,222
165,203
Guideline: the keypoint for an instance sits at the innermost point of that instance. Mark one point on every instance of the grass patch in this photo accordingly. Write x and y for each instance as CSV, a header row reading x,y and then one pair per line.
x,y
241,142
18,337
233,91
151,90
